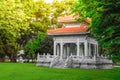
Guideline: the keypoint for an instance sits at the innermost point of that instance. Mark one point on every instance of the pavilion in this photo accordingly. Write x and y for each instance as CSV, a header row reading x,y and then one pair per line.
x,y
74,47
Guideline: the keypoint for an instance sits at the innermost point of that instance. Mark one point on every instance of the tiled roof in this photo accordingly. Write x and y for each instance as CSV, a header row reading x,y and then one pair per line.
x,y
69,18
63,30
68,30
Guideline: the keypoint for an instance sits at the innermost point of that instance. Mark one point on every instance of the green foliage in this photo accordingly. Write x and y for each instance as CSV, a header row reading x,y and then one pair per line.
x,y
37,27
11,26
105,19
105,25
115,58
32,45
19,21
41,44
46,46
22,20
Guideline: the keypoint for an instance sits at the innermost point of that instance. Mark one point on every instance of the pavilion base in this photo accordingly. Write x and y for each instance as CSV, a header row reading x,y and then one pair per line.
x,y
93,66
75,62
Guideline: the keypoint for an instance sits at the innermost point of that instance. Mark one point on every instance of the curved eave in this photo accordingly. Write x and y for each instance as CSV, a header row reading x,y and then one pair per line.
x,y
66,21
64,34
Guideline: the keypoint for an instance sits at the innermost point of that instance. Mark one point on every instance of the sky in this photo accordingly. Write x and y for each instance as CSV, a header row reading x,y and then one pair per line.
x,y
47,1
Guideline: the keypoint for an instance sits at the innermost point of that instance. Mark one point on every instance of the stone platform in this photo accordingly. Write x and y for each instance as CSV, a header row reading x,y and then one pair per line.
x,y
74,62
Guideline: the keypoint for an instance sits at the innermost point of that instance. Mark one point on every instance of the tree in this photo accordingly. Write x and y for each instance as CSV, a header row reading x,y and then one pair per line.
x,y
37,16
11,26
46,45
22,20
41,44
19,23
105,24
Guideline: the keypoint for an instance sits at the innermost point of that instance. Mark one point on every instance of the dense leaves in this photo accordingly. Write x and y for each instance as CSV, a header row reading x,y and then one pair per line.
x,y
105,17
41,44
105,25
19,22
22,20
33,44
11,26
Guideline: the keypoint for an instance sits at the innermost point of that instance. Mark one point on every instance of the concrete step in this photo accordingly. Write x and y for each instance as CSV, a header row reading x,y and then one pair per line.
x,y
59,64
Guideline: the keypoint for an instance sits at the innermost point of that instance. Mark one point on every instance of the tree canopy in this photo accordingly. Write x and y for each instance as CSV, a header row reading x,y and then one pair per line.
x,y
19,19
22,20
105,21
11,26
105,17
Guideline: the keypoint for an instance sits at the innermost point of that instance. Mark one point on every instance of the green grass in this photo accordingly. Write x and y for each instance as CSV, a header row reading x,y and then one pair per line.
x,y
25,71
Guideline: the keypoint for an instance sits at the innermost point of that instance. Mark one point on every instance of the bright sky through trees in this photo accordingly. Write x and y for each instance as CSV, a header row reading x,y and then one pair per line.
x,y
47,1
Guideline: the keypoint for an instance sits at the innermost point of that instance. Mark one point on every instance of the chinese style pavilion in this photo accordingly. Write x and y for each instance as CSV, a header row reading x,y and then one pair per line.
x,y
74,47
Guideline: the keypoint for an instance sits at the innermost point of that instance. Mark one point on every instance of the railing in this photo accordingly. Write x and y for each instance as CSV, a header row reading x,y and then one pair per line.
x,y
42,58
71,60
68,62
54,61
103,59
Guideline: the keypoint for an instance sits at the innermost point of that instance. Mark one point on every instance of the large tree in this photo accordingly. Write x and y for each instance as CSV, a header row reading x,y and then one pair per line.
x,y
105,24
38,18
22,20
41,44
13,24
18,20
58,8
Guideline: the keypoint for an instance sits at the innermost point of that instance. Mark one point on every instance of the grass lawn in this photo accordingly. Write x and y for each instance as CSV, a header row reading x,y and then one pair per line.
x,y
27,71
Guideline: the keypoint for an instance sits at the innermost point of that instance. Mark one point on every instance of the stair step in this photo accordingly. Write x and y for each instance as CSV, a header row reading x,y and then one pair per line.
x,y
60,64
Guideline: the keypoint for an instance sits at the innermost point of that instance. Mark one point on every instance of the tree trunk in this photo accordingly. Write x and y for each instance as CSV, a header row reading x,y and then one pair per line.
x,y
13,57
2,59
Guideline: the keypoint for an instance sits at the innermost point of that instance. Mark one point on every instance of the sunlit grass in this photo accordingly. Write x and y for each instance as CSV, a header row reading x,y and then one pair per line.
x,y
25,71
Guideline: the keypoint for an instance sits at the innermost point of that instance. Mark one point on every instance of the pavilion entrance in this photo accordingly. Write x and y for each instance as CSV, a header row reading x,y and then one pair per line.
x,y
69,49
65,50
